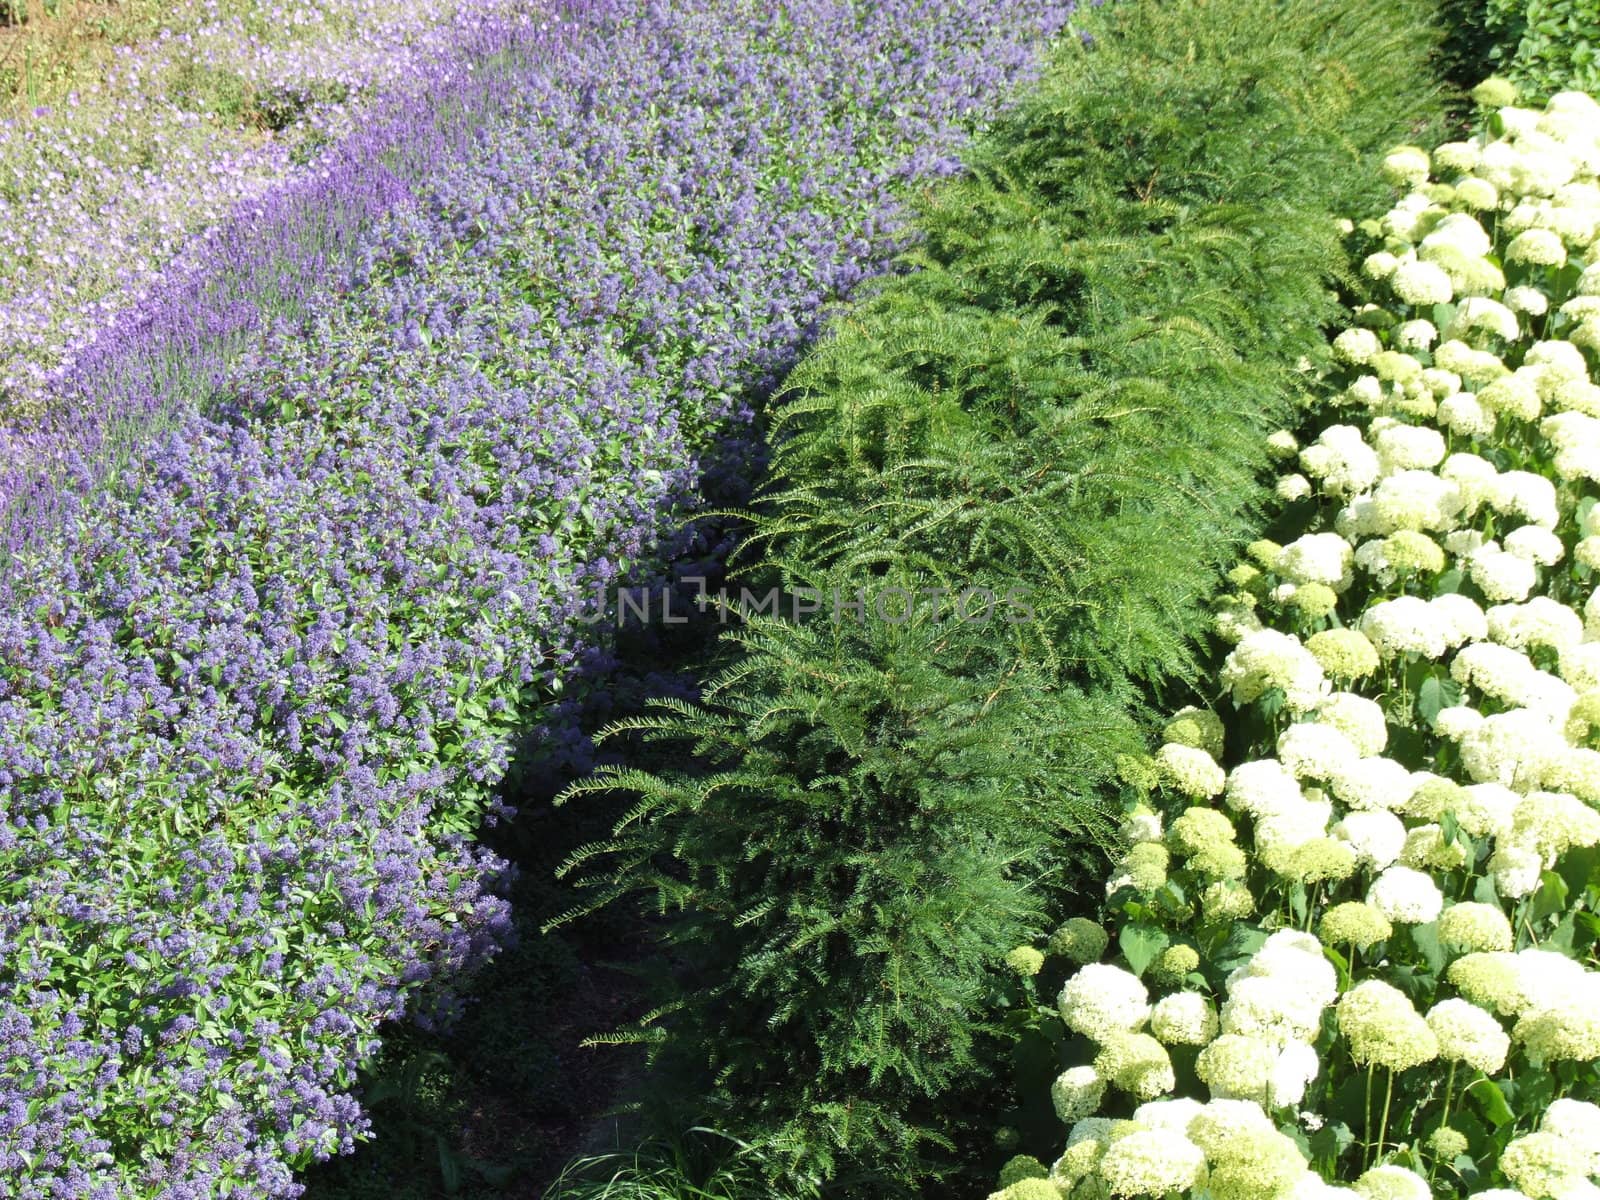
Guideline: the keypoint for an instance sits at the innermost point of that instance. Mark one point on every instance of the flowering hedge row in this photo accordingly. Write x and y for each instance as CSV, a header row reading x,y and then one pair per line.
x,y
1358,959
254,699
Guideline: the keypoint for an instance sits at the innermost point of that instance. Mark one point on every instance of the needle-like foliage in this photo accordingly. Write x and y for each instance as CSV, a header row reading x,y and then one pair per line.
x,y
1066,395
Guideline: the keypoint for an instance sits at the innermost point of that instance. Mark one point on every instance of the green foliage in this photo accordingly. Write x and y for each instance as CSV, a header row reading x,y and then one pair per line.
x,y
1066,398
701,1164
1071,390
878,803
1546,46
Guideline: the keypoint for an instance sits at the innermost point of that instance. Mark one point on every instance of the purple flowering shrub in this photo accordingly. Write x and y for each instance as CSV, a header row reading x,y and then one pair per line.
x,y
101,192
257,688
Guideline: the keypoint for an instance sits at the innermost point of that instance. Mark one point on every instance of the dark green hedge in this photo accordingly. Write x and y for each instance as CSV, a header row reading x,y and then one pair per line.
x,y
1068,395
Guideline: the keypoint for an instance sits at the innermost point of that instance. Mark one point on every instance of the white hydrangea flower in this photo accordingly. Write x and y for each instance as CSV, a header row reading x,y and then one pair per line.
x,y
1270,1009
1474,477
1141,824
1415,335
1536,544
1539,247
1515,395
1551,823
1526,495
1488,810
1459,231
1390,1182
1192,771
1457,721
1517,748
1176,1113
1269,659
1406,447
1323,558
1358,718
1441,383
1377,837
1293,1070
1406,896
1501,576
1561,356
1537,622
1416,500
1237,1066
1382,265
1463,416
1419,283
1076,1093
1516,869
1263,787
1184,1019
1151,1162
1101,999
1294,953
1341,461
1460,619
1369,784
1576,1122
1528,300
1468,1034
1291,828
1314,750
1481,314
1459,157
1292,487
1591,617
1356,346
1403,626
1406,166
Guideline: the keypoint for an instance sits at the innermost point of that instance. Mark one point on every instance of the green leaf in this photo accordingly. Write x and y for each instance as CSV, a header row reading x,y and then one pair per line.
x,y
1141,944
1437,692
1426,939
1491,1101
1243,941
449,1167
1551,898
1332,1140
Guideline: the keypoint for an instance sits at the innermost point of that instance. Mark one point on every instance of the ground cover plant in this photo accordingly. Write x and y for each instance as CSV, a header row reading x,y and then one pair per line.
x,y
103,185
1067,393
1349,946
254,697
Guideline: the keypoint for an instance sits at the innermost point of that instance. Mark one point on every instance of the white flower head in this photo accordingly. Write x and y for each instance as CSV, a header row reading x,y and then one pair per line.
x,y
1406,896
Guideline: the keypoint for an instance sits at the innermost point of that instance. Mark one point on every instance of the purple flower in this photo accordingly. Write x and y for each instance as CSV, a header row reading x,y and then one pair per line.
x,y
377,440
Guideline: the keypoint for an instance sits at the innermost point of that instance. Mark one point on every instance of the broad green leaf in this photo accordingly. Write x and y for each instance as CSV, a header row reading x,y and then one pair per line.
x,y
1491,1101
1141,944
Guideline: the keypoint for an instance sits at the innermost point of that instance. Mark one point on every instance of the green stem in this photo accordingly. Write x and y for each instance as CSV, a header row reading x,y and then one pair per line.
x,y
1444,1116
1366,1119
1383,1125
1449,1093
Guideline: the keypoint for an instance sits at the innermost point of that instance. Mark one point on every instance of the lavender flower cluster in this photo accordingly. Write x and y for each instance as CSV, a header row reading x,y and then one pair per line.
x,y
98,195
257,686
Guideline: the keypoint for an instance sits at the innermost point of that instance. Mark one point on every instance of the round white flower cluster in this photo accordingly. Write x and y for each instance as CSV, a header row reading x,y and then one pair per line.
x,y
1423,666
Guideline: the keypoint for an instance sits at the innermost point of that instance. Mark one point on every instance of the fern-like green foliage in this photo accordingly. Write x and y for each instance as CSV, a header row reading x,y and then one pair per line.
x,y
1107,315
877,805
1067,392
